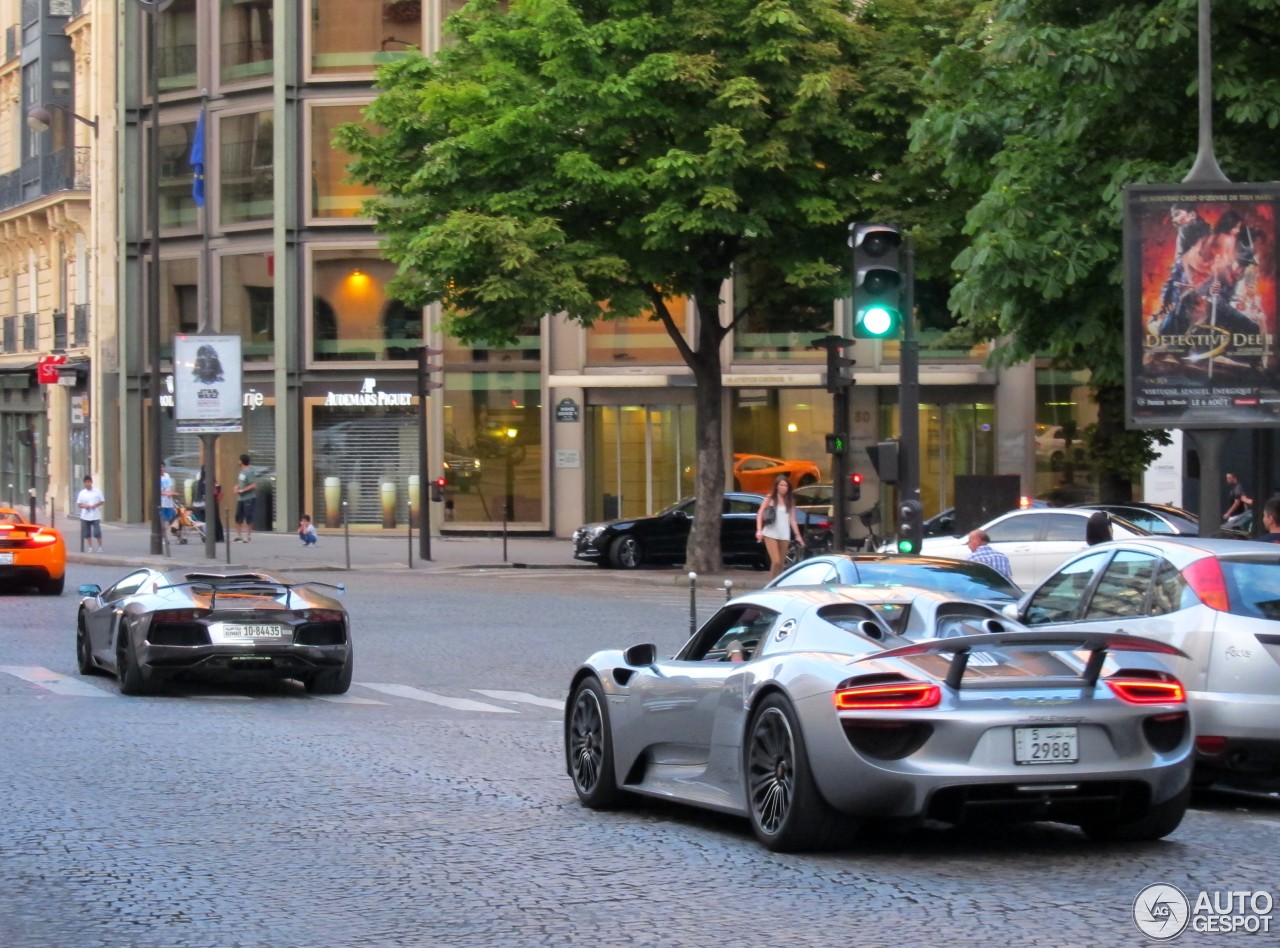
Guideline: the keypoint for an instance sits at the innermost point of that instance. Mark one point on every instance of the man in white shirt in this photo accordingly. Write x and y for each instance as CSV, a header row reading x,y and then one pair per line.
x,y
89,502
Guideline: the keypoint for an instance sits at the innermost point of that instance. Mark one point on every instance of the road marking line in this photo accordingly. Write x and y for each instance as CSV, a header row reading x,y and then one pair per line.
x,y
416,694
347,699
1265,822
58,684
521,697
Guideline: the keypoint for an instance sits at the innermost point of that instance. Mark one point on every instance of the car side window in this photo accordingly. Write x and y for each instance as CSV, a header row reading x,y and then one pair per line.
x,y
1169,591
1122,590
810,574
1059,597
740,506
1014,530
125,587
732,634
1059,526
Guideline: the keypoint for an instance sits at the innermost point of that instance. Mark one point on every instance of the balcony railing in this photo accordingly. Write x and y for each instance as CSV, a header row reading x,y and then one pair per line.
x,y
59,330
67,169
80,325
28,332
11,334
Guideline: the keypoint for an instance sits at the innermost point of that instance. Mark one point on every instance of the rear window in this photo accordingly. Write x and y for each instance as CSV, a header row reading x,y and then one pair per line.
x,y
1253,587
966,580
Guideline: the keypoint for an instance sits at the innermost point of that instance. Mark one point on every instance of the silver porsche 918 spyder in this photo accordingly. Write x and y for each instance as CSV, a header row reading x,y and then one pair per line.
x,y
154,625
810,709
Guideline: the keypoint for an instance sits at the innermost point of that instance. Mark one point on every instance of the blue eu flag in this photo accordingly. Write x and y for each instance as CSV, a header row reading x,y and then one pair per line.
x,y
197,162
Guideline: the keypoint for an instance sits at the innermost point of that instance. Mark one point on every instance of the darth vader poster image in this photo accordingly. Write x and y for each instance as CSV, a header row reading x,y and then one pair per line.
x,y
1201,273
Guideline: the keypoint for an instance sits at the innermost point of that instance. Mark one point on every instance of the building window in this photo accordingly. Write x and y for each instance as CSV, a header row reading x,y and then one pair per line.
x,y
176,46
248,302
781,322
179,300
349,38
246,174
333,194
640,340
354,318
246,35
177,205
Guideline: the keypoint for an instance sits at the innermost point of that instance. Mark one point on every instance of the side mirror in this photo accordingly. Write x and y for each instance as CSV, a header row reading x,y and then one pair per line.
x,y
639,655
1010,611
90,590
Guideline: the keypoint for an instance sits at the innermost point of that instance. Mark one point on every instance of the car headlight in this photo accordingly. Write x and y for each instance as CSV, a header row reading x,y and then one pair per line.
x,y
589,532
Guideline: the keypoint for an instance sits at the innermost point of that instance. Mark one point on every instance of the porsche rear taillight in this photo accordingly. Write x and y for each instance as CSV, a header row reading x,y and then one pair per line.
x,y
322,615
1143,689
1207,582
888,696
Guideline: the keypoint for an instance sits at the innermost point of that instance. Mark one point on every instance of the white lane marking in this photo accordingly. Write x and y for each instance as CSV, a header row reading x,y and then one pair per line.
x,y
347,699
58,684
520,697
417,694
1265,822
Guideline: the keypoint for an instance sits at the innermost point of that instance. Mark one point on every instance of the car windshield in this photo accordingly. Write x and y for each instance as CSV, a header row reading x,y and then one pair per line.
x,y
967,580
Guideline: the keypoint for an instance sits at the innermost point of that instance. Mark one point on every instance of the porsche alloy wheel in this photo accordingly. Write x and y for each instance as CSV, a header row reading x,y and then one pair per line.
x,y
128,674
84,653
626,553
787,812
589,748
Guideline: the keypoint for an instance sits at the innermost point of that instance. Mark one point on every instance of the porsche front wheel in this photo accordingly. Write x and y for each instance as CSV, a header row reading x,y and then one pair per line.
x,y
787,812
589,748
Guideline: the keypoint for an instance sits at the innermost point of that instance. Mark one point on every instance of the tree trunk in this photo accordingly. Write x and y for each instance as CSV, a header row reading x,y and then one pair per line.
x,y
1114,486
703,554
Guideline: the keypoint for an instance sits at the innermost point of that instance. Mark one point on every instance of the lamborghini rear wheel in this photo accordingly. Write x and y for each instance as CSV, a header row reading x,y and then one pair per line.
x,y
331,681
589,748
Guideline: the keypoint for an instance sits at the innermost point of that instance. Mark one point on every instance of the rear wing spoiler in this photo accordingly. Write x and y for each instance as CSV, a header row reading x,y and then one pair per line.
x,y
1097,644
248,583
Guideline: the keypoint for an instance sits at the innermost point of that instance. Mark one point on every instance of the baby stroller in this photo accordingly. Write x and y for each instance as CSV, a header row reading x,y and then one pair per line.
x,y
184,521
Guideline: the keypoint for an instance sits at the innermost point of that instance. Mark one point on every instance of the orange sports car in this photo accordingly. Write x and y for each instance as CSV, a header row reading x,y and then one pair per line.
x,y
755,473
31,554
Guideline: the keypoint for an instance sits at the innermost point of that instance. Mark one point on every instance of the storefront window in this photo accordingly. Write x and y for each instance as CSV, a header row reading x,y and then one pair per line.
x,y
955,438
350,38
781,322
642,458
176,46
177,205
179,300
246,36
780,431
248,302
493,447
1064,470
640,340
333,194
353,317
246,173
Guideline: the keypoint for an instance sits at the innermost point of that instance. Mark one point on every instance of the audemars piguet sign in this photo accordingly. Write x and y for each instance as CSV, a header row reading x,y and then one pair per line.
x,y
207,384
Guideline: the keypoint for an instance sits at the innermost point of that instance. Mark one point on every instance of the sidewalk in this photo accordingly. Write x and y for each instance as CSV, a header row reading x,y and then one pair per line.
x,y
129,544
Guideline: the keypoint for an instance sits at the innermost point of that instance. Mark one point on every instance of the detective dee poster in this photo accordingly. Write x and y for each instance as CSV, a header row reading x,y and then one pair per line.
x,y
1200,294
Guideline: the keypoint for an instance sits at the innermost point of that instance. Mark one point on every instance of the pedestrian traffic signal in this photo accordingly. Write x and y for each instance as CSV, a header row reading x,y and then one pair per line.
x,y
855,488
910,526
836,443
437,489
877,281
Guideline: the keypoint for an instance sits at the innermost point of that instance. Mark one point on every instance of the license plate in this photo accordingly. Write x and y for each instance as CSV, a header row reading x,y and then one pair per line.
x,y
1046,745
6,559
251,631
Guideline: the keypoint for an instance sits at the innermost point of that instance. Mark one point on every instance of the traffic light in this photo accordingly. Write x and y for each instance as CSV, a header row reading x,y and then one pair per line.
x,y
884,458
836,443
877,281
839,367
437,489
425,370
855,488
910,526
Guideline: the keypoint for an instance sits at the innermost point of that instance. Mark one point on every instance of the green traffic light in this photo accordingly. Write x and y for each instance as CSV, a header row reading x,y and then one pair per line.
x,y
878,321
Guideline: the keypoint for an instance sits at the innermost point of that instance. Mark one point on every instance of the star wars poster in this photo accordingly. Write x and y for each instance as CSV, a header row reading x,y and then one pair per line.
x,y
1200,289
207,390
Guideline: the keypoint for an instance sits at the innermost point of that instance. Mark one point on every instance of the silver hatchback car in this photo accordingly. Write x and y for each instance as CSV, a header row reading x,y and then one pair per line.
x,y
1216,600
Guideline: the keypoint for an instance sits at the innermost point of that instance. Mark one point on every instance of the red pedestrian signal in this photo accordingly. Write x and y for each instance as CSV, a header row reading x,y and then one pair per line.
x,y
437,489
855,488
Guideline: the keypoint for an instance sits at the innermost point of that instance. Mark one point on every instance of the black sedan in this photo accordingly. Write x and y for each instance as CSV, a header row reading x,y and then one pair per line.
x,y
188,623
962,579
631,542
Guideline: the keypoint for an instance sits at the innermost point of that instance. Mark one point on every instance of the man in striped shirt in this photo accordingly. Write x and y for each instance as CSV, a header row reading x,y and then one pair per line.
x,y
980,551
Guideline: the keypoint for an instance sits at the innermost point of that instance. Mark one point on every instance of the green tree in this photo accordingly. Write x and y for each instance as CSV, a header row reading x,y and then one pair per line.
x,y
561,154
1040,114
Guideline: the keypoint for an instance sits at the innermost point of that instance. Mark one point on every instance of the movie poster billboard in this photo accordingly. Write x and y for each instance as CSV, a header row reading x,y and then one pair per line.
x,y
207,386
1200,305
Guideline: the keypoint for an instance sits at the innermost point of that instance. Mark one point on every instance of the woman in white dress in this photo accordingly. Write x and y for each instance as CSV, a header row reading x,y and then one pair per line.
x,y
776,524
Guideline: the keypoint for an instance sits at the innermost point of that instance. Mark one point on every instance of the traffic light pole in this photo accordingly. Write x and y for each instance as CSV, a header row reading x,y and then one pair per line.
x,y
909,386
839,424
425,385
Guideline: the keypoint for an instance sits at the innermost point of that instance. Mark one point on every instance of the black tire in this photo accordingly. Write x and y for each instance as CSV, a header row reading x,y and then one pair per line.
x,y
626,552
84,652
788,814
54,587
128,674
332,681
1157,823
588,748
807,480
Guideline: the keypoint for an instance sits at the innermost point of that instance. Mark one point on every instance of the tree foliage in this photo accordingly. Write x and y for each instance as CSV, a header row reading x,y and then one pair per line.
x,y
1040,114
558,155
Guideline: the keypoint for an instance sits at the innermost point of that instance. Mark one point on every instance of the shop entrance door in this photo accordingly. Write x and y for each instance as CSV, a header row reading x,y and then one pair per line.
x,y
641,458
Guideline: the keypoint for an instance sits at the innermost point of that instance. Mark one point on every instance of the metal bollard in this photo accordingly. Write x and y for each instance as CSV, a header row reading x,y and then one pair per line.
x,y
226,533
346,533
410,506
728,589
693,602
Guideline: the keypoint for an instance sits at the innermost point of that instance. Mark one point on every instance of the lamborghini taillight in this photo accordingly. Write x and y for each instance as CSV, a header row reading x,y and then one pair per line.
x,y
888,696
175,615
322,615
1144,689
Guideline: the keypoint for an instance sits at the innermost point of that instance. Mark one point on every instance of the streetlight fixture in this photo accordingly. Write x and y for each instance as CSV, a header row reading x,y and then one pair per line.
x,y
40,119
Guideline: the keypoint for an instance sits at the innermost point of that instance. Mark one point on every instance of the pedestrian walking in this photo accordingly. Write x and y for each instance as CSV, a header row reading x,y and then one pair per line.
x,y
1240,501
776,523
168,509
246,495
89,502
981,551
